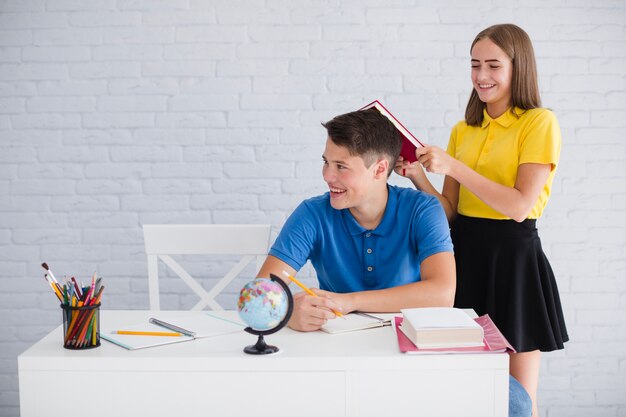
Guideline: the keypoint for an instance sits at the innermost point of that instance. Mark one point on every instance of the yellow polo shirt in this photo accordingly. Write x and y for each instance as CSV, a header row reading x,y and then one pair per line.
x,y
497,148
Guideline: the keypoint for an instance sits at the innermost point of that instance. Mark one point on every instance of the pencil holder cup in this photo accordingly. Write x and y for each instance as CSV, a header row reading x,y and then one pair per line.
x,y
81,326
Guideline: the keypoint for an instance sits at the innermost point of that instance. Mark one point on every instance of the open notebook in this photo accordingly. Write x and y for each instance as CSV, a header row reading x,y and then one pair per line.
x,y
354,321
192,325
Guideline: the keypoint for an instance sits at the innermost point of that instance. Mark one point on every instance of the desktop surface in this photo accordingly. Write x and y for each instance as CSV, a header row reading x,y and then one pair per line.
x,y
357,373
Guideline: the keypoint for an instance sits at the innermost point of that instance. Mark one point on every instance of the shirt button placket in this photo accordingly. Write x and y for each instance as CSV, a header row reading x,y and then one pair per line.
x,y
487,146
369,260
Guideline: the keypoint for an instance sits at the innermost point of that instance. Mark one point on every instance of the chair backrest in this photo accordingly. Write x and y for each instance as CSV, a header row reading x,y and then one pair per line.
x,y
251,241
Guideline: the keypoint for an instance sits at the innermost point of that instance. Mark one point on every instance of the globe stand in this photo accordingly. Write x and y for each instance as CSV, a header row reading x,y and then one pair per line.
x,y
262,348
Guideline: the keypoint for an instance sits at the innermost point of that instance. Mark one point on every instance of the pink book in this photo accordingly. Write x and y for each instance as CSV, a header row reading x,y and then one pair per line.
x,y
494,341
409,142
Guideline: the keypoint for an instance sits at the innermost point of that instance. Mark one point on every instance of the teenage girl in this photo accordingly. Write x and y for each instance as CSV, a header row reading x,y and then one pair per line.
x,y
498,169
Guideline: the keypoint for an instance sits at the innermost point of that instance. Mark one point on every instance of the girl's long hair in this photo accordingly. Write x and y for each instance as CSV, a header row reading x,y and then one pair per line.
x,y
524,86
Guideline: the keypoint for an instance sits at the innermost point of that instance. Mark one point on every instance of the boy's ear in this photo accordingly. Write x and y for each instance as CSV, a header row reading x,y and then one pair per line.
x,y
382,165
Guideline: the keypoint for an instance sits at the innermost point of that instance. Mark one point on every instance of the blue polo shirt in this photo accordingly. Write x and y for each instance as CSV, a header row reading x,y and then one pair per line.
x,y
350,258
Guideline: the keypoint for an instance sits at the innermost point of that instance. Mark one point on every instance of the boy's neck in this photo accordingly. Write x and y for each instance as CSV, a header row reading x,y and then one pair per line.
x,y
371,214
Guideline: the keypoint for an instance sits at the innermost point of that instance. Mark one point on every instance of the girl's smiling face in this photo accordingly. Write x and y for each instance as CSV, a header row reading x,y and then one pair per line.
x,y
492,72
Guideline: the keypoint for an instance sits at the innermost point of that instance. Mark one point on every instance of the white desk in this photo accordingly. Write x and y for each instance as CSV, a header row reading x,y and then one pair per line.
x,y
356,374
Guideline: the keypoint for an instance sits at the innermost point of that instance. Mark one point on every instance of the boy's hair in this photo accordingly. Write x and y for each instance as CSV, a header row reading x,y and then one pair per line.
x,y
368,134
524,87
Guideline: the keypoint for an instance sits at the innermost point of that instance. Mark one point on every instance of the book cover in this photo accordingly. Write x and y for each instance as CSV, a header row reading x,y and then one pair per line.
x,y
409,142
494,341
441,327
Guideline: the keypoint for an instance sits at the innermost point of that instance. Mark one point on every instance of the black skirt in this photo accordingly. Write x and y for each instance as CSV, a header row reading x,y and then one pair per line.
x,y
502,271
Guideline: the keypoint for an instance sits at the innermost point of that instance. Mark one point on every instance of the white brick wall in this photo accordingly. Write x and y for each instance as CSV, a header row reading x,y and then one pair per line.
x,y
115,113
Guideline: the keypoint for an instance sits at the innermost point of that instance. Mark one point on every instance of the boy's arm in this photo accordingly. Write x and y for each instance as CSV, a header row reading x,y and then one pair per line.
x,y
436,289
309,313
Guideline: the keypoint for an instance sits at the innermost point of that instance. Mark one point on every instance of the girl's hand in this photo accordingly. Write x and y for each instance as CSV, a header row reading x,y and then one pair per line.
x,y
435,160
410,170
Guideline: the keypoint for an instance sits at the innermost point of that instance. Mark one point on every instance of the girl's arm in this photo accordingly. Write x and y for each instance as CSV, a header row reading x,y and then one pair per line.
x,y
449,197
515,202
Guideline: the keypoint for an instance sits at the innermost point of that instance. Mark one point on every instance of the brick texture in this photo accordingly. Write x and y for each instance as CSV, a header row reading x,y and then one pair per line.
x,y
119,113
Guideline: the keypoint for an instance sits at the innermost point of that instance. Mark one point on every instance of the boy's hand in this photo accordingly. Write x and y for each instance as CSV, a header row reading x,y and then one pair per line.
x,y
311,313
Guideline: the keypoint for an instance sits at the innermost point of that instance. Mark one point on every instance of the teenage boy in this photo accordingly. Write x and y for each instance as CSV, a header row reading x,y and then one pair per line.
x,y
375,247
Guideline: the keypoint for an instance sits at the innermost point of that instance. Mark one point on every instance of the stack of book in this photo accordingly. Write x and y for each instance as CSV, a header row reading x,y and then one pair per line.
x,y
447,330
440,327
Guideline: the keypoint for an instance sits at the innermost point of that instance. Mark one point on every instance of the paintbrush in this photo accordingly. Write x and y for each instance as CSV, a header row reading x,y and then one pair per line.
x,y
45,266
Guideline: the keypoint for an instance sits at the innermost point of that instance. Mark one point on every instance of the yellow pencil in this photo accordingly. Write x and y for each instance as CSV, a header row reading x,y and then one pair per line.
x,y
139,333
306,289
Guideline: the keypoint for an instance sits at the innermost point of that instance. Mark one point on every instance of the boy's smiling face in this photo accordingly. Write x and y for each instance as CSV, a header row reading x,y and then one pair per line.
x,y
350,182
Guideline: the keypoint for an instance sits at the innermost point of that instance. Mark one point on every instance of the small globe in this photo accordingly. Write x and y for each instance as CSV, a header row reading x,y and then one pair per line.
x,y
263,304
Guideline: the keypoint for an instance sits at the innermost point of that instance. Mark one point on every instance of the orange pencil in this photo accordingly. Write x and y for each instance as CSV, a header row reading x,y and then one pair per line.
x,y
306,289
142,333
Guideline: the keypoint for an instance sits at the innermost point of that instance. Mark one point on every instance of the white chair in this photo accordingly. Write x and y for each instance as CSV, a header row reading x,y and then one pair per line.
x,y
161,241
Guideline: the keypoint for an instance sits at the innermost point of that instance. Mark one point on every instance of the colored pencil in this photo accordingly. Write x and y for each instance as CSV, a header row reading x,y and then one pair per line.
x,y
306,289
142,333
80,325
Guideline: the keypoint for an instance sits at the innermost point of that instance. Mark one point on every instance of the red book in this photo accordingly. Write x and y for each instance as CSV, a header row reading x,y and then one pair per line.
x,y
494,340
409,142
